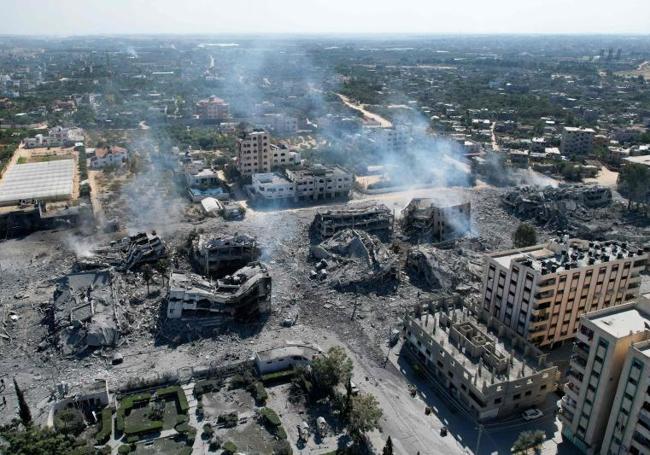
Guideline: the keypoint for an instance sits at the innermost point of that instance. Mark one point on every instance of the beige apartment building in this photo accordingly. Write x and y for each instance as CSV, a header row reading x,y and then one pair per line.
x,y
577,141
484,366
254,153
541,291
213,108
606,407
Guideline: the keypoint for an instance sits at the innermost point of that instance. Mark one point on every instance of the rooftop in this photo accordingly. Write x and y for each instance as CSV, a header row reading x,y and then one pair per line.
x,y
48,179
624,320
561,255
643,159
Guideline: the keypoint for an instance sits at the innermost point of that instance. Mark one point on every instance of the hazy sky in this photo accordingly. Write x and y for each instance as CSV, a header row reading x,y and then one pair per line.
x,y
75,17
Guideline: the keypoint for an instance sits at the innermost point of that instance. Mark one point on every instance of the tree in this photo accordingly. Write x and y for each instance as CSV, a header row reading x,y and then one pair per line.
x,y
36,441
23,409
331,369
364,416
162,267
525,235
147,274
388,448
528,440
634,183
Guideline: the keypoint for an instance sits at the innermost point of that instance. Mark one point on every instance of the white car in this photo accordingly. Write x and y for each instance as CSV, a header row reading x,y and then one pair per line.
x,y
532,414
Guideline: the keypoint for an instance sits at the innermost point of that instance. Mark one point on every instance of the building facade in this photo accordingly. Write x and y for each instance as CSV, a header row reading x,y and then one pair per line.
x,y
577,141
606,407
541,291
213,108
254,153
488,378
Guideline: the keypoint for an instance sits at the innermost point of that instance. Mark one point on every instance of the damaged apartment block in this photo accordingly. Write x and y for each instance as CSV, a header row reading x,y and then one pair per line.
x,y
373,218
242,296
218,255
431,220
126,254
487,367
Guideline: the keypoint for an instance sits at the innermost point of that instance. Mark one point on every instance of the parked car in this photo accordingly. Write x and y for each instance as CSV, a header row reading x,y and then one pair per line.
x,y
532,414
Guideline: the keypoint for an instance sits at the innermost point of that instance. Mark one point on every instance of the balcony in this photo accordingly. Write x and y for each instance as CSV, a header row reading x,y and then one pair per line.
x,y
578,363
580,347
572,390
585,335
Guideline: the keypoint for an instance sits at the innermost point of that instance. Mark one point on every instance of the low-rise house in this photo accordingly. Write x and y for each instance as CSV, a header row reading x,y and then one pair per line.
x,y
285,357
112,156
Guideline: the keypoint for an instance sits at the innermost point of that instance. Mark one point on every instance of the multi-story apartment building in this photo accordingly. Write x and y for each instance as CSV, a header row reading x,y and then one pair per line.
x,y
306,183
577,141
213,108
541,291
254,153
490,376
437,220
606,407
283,156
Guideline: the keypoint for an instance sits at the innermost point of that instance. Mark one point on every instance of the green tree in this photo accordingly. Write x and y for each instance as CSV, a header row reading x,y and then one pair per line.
x,y
331,369
23,408
388,448
162,267
634,183
364,416
147,275
527,441
36,441
525,235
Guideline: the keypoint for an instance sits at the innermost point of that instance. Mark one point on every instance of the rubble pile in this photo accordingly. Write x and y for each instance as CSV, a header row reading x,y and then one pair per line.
x,y
436,221
126,254
563,207
374,218
243,295
84,312
354,258
217,255
456,269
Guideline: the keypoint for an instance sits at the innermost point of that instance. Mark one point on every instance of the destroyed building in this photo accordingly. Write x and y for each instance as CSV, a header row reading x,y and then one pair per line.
x,y
244,295
446,268
126,254
488,368
354,258
557,207
373,218
218,255
432,220
83,312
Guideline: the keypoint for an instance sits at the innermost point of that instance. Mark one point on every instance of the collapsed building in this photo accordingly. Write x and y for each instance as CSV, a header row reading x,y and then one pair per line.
x,y
244,295
218,255
126,254
373,218
446,268
432,220
558,207
354,259
83,312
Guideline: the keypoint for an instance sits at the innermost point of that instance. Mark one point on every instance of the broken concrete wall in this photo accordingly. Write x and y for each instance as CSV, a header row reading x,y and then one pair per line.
x,y
219,255
244,295
429,220
374,218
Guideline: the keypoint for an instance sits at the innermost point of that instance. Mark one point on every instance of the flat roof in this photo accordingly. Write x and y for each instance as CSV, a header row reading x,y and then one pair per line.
x,y
643,159
47,179
619,324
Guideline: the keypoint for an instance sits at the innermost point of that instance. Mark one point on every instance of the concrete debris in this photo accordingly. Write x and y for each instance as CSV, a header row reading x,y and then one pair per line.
x,y
456,269
244,295
559,207
354,259
373,218
218,255
84,312
430,220
126,254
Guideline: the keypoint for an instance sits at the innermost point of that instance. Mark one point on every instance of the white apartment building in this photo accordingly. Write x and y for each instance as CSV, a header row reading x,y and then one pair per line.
x,y
271,185
394,139
577,141
303,184
606,407
541,291
112,156
254,153
280,123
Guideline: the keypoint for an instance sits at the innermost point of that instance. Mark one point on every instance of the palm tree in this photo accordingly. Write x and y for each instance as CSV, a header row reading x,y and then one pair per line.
x,y
162,267
147,274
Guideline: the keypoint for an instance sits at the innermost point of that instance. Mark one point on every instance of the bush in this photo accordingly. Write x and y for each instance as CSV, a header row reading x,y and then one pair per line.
x,y
143,427
191,436
183,406
182,427
208,431
185,451
132,439
228,420
270,417
229,448
182,418
206,386
124,449
257,390
282,448
215,444
105,426
241,381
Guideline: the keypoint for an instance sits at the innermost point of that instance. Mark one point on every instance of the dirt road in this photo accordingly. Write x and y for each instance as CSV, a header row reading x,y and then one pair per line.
x,y
384,123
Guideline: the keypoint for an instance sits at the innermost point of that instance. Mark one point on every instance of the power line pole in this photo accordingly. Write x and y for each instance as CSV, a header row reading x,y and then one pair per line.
x,y
478,438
